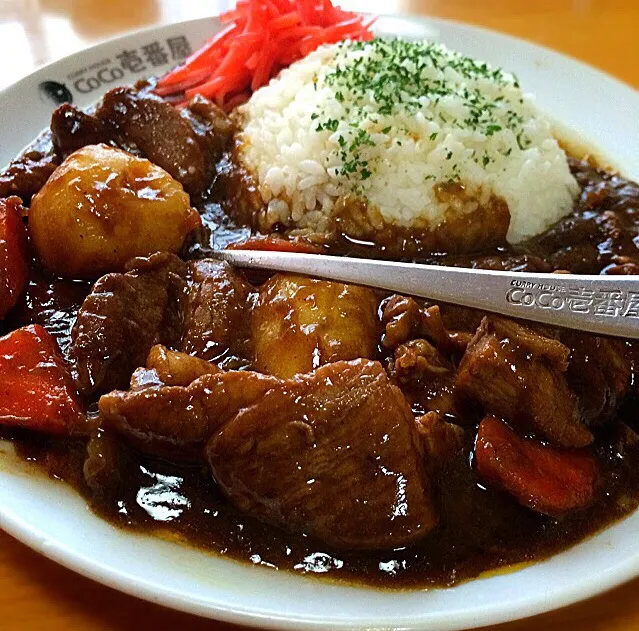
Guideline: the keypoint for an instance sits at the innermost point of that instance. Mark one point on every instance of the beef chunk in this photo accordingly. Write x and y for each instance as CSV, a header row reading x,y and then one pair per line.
x,y
171,368
403,319
211,125
28,173
443,441
123,317
182,417
418,361
626,439
145,378
547,480
425,375
599,373
518,374
164,136
217,319
335,453
73,129
177,369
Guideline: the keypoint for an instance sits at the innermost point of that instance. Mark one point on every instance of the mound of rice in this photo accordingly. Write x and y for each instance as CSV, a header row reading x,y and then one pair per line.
x,y
390,121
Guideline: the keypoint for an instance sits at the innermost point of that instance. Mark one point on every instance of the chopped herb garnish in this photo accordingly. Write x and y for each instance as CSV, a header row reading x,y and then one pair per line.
x,y
386,78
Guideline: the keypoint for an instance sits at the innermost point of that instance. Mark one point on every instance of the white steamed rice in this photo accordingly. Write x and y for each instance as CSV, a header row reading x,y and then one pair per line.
x,y
388,121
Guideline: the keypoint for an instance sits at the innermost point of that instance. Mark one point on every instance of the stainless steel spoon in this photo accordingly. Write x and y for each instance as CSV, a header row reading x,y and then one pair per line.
x,y
608,305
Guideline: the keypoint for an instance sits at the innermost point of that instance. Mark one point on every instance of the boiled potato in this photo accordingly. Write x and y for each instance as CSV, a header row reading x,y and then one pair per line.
x,y
301,323
103,206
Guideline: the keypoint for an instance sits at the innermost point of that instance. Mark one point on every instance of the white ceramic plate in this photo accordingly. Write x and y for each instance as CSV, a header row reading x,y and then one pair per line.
x,y
52,519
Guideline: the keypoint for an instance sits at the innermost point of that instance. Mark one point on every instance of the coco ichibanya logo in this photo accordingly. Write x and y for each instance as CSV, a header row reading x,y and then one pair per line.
x,y
141,61
56,93
602,302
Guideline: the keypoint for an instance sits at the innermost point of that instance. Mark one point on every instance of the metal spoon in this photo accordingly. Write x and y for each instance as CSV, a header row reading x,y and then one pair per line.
x,y
608,305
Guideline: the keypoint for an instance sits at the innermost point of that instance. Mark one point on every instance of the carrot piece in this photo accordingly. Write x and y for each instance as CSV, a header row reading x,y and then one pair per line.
x,y
547,480
36,390
277,244
13,253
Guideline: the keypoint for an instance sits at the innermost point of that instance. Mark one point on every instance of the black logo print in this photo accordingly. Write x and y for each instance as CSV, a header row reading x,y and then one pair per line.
x,y
55,92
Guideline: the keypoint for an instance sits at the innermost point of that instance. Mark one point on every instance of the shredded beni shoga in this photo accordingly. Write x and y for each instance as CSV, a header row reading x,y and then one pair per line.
x,y
261,37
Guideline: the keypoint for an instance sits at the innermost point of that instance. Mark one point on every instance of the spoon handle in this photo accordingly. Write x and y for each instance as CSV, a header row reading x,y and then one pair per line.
x,y
608,305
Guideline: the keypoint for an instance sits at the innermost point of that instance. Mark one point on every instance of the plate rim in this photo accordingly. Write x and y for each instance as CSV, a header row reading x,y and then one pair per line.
x,y
37,539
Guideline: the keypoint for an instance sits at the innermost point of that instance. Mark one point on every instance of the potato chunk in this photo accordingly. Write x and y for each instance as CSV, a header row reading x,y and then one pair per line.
x,y
103,206
301,323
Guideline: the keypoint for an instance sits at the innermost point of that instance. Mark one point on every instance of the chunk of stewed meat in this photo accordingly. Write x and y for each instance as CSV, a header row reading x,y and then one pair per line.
x,y
547,480
171,368
177,369
181,417
418,361
72,129
425,375
217,320
123,317
442,440
335,453
27,174
301,323
14,261
212,127
518,374
403,320
164,136
599,373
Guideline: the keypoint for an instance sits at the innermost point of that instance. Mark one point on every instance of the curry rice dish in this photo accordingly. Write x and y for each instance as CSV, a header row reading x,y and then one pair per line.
x,y
299,423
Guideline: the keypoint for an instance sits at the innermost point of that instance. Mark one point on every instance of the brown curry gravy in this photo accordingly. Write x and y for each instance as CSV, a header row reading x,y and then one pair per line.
x,y
480,530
